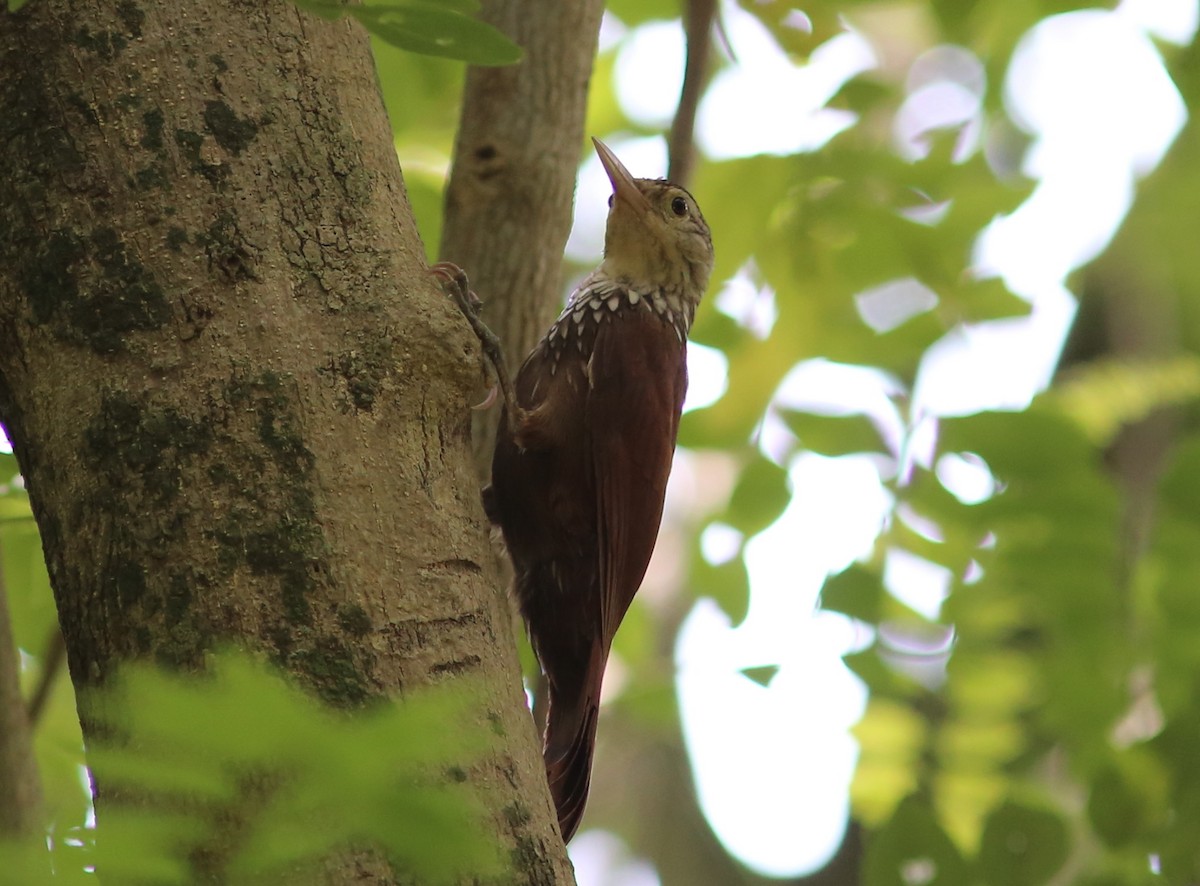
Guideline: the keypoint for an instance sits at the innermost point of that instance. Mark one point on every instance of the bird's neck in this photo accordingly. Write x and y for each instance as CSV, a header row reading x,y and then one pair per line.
x,y
677,304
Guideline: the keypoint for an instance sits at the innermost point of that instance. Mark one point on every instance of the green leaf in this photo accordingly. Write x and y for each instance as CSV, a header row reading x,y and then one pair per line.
x,y
799,26
27,861
762,675
913,848
727,584
891,737
1104,396
856,592
652,704
31,603
637,641
320,780
637,12
760,496
143,846
1022,845
427,28
430,30
880,677
833,435
423,94
1002,440
426,198
1129,798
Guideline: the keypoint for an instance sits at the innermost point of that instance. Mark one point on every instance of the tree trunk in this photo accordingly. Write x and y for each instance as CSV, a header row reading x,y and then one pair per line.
x,y
238,400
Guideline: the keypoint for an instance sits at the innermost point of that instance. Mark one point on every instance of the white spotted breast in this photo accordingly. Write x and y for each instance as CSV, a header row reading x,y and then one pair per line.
x,y
602,300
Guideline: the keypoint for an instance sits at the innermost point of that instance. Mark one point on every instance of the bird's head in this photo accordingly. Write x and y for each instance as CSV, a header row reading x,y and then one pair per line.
x,y
656,236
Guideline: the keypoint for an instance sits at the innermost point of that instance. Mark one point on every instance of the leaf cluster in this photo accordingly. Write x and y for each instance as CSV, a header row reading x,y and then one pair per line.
x,y
1034,730
240,774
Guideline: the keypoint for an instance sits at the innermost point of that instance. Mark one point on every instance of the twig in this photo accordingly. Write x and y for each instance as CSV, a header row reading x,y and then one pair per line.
x,y
698,19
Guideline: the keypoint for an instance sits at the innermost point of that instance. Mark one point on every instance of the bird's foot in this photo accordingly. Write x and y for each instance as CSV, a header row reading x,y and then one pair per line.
x,y
489,401
455,284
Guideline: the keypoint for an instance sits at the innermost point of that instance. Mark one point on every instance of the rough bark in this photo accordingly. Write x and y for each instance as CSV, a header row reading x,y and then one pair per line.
x,y
233,391
508,204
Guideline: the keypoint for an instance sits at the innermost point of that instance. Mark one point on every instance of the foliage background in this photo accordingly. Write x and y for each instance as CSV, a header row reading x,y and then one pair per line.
x,y
1042,728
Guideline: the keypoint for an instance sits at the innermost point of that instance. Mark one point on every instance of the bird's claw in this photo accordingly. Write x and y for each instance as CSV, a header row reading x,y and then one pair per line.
x,y
489,401
455,284
453,281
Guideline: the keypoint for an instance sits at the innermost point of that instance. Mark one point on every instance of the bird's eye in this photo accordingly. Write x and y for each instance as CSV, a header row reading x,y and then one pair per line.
x,y
610,200
679,206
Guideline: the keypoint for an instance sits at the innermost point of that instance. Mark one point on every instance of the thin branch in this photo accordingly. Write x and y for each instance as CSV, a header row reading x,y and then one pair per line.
x,y
53,659
698,18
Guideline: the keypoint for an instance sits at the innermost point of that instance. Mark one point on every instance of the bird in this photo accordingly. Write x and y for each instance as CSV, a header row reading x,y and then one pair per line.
x,y
584,449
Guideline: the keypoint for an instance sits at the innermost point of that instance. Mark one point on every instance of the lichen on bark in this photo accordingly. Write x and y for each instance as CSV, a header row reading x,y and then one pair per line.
x,y
238,400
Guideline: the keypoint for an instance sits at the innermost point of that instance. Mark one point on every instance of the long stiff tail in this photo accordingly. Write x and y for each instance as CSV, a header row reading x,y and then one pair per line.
x,y
570,741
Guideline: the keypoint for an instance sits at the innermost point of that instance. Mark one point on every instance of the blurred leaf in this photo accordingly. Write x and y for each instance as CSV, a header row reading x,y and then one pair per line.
x,y
637,640
8,467
891,736
753,194
31,603
856,592
990,683
145,846
427,27
913,848
728,584
882,679
1022,845
426,198
637,12
1105,395
761,675
27,862
60,758
954,552
529,662
1129,798
423,95
1170,577
651,703
604,112
833,435
993,28
863,94
321,780
1175,746
798,28
761,494
1006,441
203,778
